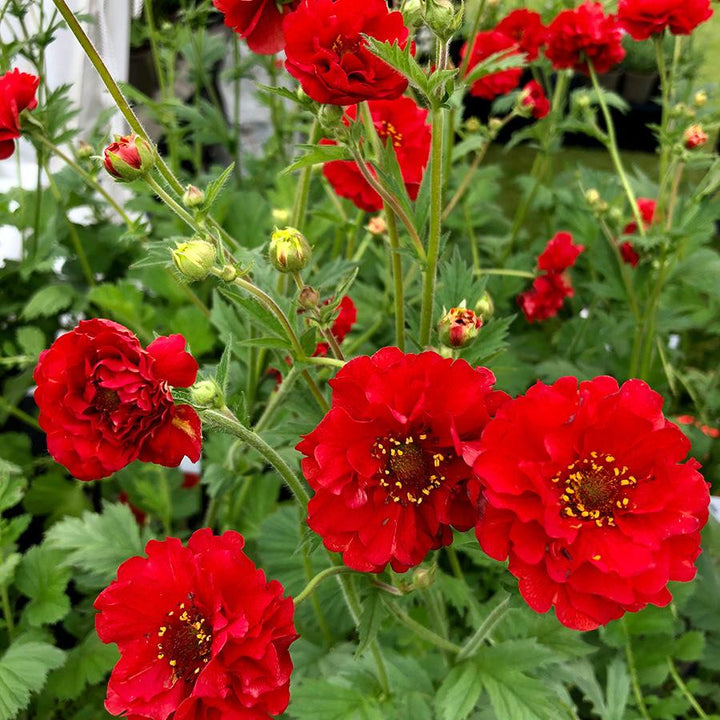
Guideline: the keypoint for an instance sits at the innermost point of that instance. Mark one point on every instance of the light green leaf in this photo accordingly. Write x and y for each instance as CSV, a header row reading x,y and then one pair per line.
x,y
459,693
48,301
318,155
371,617
618,690
43,579
320,700
214,188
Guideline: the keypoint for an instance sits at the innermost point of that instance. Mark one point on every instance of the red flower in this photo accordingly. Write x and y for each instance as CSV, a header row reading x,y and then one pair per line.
x,y
342,325
585,491
129,158
585,34
629,254
527,29
385,462
327,53
694,136
104,401
560,253
403,123
546,296
644,18
201,633
498,83
647,208
17,93
533,97
258,21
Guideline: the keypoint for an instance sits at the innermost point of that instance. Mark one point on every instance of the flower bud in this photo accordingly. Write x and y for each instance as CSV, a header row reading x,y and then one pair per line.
x,y
582,101
413,12
330,116
443,18
596,202
228,273
206,393
194,259
309,298
694,136
494,125
377,225
289,250
459,327
473,125
193,197
84,151
485,307
700,99
424,578
129,158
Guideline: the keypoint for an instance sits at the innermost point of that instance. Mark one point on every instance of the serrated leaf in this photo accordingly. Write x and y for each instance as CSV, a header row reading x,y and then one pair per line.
x,y
42,578
96,543
7,568
618,690
12,486
223,368
318,155
23,670
31,340
517,696
503,60
371,618
321,700
48,301
215,187
459,693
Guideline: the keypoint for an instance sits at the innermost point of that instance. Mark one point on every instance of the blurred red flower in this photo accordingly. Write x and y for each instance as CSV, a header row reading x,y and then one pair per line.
x,y
647,207
533,97
645,18
17,93
527,29
497,83
259,22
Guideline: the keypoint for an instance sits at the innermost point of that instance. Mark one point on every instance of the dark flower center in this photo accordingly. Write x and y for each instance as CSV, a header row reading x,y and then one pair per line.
x,y
106,400
388,130
410,470
185,641
595,488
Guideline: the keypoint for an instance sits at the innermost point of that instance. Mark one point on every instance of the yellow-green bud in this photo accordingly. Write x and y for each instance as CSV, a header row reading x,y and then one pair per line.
x,y
700,99
424,578
289,250
330,116
193,197
413,12
459,327
206,393
194,259
473,125
308,298
443,18
84,151
228,273
485,307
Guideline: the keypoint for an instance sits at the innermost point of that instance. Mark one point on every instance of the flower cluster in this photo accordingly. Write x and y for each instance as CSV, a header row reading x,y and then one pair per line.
x,y
201,633
17,93
548,292
105,401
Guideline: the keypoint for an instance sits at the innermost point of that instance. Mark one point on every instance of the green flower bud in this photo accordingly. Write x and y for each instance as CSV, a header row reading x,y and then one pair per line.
x,y
330,117
228,273
424,577
194,259
443,18
700,99
459,327
485,307
309,298
413,12
193,197
206,393
289,250
84,151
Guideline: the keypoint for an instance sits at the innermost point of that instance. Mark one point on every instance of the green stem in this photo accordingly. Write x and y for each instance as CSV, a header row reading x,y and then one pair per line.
x,y
7,612
420,630
19,414
507,272
397,271
227,422
639,700
275,398
175,206
312,584
474,28
476,640
327,334
685,690
303,188
467,179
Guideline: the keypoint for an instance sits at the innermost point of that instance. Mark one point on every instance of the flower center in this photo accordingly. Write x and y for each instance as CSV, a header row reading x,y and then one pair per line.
x,y
595,488
410,471
185,641
344,44
106,400
388,130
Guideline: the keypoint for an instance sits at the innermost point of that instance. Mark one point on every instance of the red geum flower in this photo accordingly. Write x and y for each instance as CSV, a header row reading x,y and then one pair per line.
x,y
202,634
401,122
694,136
645,18
128,158
647,207
385,462
327,53
527,29
342,325
259,22
585,491
104,401
498,83
17,93
629,254
534,99
546,296
585,34
560,253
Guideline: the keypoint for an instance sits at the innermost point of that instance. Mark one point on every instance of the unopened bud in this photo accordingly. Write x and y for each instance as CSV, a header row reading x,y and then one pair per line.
x,y
289,250
206,393
228,273
485,307
459,327
694,136
193,197
494,125
330,116
129,158
194,259
678,110
582,101
473,125
424,578
377,225
595,201
700,99
308,298
84,151
413,12
443,18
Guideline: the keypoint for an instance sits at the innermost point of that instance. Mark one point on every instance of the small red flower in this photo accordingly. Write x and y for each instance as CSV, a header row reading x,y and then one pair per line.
x,y
498,83
546,296
327,53
342,325
629,254
259,22
585,34
385,462
202,634
710,431
694,136
647,207
560,253
128,158
533,97
645,18
401,122
527,29
17,93
104,401
586,492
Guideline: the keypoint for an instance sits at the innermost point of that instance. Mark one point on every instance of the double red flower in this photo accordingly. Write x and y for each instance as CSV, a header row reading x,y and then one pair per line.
x,y
644,18
585,34
484,45
258,21
404,124
201,633
327,53
526,28
647,208
104,401
586,492
17,93
386,461
548,292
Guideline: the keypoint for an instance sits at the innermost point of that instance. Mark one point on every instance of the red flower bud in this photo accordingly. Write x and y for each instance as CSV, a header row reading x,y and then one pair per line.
x,y
694,136
128,158
459,327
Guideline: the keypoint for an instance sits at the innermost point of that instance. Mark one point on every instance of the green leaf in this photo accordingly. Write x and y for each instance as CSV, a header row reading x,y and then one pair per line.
x,y
12,486
321,700
214,188
517,696
23,670
96,543
31,340
618,690
503,60
317,155
48,301
223,368
371,618
459,693
7,568
42,577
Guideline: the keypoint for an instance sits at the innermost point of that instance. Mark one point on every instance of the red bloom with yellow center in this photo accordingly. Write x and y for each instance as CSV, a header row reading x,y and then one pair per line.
x,y
202,634
386,462
586,492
